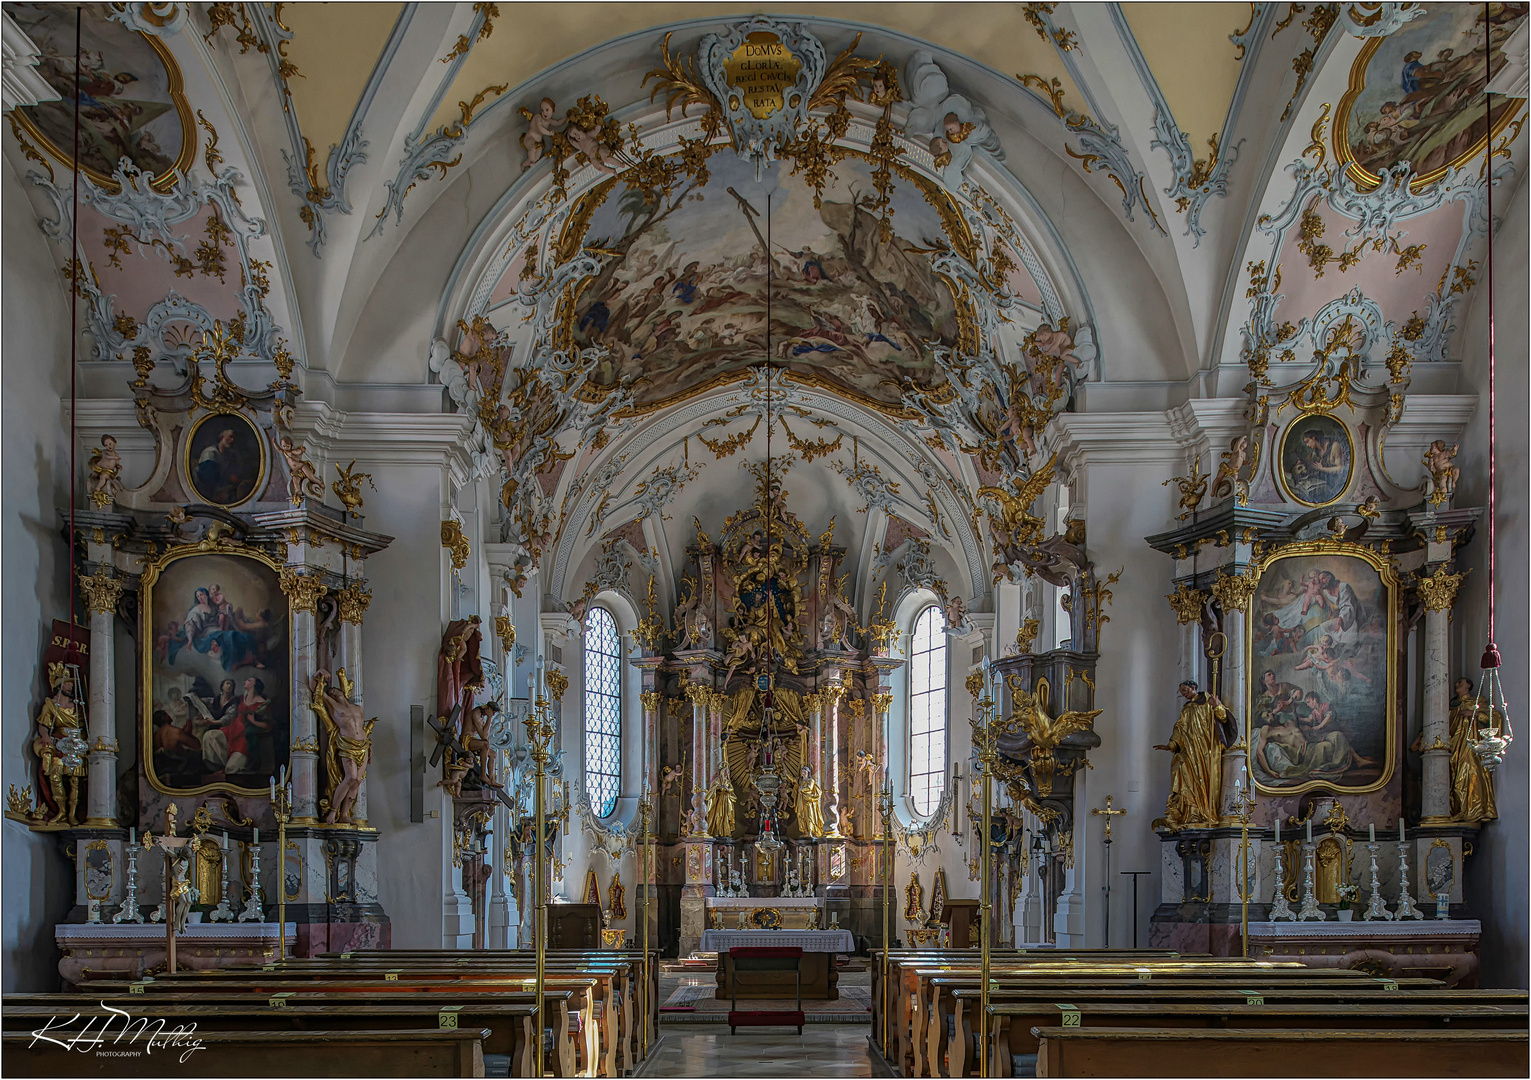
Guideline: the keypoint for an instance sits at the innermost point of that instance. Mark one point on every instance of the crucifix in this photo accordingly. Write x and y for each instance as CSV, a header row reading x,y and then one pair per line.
x,y
1108,813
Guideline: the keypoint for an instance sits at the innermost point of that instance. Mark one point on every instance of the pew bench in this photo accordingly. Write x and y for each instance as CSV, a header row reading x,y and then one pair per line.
x,y
426,1052
1348,1051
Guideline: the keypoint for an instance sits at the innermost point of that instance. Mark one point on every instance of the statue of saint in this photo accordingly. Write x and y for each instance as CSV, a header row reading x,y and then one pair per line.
x,y
720,805
618,898
1196,771
1472,788
809,805
349,744
59,747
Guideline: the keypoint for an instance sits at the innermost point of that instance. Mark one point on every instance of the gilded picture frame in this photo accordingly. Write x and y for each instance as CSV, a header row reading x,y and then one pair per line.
x,y
1322,655
225,459
1305,468
215,704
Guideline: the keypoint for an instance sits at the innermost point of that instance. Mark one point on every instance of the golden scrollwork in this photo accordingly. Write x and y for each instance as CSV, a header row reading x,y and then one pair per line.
x,y
652,702
101,591
1438,592
1026,635
353,601
348,487
881,701
650,631
974,684
1029,716
1187,602
505,630
1192,488
456,542
1232,592
303,590
558,682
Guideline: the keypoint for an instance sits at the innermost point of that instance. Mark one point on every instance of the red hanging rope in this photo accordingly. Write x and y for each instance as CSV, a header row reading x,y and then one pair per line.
x,y
74,305
1491,651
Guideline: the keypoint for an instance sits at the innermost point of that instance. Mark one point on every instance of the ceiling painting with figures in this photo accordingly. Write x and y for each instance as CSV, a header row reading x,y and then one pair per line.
x,y
1321,696
684,301
216,667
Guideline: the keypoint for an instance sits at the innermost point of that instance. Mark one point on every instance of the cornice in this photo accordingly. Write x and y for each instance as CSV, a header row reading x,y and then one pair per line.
x,y
1143,438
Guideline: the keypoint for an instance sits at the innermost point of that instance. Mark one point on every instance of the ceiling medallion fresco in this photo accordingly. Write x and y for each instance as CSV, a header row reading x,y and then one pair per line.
x,y
132,103
1417,95
681,301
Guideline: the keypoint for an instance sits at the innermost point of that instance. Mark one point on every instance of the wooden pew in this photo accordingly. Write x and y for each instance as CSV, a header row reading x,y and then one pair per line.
x,y
509,1023
586,1062
1352,1051
269,1053
605,1036
1016,1047
956,1041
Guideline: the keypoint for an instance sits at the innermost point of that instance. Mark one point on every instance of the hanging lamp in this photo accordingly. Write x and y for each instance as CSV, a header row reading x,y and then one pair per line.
x,y
1493,734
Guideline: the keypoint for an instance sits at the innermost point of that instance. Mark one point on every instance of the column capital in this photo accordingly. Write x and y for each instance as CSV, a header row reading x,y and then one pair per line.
x,y
1233,591
353,601
1187,603
652,701
1438,592
102,591
303,590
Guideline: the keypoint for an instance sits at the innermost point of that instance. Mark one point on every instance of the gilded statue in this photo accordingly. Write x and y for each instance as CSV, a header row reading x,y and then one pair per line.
x,y
1044,732
618,896
809,805
59,747
1472,788
914,899
1196,770
105,467
350,744
720,805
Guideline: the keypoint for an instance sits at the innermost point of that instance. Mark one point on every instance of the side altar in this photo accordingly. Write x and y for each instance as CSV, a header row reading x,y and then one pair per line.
x,y
1318,804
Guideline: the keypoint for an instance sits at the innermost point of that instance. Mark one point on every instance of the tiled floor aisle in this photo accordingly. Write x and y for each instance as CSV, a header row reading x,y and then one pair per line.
x,y
705,1050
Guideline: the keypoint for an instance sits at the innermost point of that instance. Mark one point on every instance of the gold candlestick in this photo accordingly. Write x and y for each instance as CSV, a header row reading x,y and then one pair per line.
x,y
886,803
281,809
984,736
539,732
648,887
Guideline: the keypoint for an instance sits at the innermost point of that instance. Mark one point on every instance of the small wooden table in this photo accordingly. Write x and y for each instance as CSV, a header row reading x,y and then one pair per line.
x,y
755,961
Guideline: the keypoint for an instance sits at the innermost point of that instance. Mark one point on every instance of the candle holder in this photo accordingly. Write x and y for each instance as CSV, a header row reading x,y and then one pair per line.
x,y
1377,908
281,809
129,912
223,913
255,904
1443,905
1406,908
1280,909
1310,908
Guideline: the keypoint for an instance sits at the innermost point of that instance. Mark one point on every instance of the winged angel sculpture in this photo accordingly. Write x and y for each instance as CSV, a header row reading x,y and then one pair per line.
x,y
1041,734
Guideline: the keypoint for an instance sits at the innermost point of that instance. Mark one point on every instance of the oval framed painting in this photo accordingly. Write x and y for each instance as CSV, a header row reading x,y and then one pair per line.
x,y
225,461
132,95
215,646
1318,459
1417,94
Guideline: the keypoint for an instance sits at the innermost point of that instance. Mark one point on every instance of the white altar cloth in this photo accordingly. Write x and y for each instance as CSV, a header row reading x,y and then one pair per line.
x,y
1360,929
750,903
836,941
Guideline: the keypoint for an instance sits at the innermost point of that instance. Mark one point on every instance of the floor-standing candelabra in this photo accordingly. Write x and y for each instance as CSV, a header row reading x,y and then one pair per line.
x,y
1243,805
985,736
223,913
281,809
539,732
129,911
644,808
1310,908
1406,908
1377,908
885,804
1280,909
255,904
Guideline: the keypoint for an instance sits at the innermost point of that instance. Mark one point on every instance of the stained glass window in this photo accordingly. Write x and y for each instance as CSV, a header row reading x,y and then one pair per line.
x,y
927,710
603,711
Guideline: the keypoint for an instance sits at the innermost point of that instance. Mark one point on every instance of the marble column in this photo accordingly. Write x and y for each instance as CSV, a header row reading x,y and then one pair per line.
x,y
881,702
700,757
1233,594
652,701
303,592
829,704
1438,594
101,596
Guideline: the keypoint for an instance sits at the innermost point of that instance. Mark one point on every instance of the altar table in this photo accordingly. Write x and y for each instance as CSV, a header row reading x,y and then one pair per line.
x,y
818,970
1445,949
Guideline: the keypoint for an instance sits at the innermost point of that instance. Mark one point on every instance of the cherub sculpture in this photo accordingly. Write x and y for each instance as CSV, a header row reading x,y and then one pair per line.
x,y
301,478
540,125
1438,462
105,465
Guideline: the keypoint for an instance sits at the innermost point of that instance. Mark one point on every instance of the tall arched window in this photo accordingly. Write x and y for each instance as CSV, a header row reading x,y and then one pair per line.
x,y
927,710
603,711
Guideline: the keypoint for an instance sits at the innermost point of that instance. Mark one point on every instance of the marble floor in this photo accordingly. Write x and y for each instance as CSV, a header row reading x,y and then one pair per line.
x,y
709,1050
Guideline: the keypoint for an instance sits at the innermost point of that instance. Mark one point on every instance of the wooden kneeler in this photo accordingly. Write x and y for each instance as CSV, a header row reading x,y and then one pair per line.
x,y
765,958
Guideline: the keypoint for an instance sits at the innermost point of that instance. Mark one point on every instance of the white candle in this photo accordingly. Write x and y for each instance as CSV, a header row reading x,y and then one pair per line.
x,y
1308,830
225,839
273,789
133,836
256,841
1400,828
1278,828
1371,834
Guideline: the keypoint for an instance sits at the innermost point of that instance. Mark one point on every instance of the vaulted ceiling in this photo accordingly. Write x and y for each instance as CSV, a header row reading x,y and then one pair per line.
x,y
1200,190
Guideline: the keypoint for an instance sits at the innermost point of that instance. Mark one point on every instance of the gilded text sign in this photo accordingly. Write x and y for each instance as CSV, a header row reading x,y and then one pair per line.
x,y
760,69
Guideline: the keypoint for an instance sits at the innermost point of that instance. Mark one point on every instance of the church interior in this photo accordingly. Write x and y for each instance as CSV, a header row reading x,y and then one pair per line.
x,y
687,539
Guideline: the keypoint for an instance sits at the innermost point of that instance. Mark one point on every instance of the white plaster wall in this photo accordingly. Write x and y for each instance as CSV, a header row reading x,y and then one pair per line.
x,y
1496,875
34,378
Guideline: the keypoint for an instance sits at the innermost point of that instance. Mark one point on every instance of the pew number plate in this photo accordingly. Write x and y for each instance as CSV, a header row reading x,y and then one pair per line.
x,y
345,956
1388,984
392,976
1069,1016
1253,997
279,1001
447,1017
